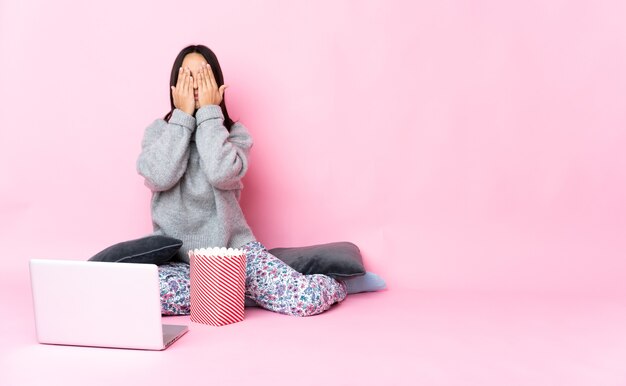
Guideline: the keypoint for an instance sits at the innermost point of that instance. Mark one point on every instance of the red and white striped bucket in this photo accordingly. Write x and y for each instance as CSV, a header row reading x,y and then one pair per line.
x,y
218,285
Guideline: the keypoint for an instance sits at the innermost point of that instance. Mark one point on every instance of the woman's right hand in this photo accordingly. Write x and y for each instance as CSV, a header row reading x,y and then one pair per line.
x,y
183,92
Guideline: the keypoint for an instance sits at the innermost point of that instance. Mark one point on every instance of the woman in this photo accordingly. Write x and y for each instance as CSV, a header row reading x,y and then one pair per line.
x,y
193,160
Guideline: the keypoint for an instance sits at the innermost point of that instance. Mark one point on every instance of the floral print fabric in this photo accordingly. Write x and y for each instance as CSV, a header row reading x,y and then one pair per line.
x,y
274,285
174,282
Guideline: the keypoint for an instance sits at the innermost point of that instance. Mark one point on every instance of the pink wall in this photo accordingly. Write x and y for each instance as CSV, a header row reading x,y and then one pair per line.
x,y
461,145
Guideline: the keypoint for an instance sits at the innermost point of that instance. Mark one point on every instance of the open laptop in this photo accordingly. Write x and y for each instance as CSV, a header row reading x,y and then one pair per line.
x,y
88,303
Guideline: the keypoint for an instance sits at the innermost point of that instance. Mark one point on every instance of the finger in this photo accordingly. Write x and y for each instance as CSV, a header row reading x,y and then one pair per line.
x,y
188,80
212,77
205,76
179,79
183,81
200,83
192,82
183,75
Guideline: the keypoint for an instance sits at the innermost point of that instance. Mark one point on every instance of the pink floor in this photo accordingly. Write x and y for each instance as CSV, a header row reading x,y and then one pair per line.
x,y
395,337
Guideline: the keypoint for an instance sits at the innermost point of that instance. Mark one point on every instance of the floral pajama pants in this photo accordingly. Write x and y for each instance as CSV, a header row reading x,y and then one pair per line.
x,y
270,283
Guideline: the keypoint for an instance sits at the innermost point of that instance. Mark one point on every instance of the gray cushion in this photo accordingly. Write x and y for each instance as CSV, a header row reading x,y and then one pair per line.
x,y
153,249
340,259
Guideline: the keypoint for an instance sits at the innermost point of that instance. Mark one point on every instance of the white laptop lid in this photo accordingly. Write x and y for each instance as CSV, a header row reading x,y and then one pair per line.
x,y
88,303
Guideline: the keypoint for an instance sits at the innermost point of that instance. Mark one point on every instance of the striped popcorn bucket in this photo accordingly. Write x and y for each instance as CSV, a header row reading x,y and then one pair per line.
x,y
218,284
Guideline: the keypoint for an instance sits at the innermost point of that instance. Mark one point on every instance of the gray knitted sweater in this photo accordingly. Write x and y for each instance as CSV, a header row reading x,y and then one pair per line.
x,y
194,168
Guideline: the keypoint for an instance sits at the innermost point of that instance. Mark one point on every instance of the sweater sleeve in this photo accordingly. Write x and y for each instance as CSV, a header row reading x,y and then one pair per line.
x,y
223,155
165,151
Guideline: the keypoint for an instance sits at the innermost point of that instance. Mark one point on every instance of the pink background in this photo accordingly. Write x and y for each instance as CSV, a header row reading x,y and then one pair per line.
x,y
462,145
474,150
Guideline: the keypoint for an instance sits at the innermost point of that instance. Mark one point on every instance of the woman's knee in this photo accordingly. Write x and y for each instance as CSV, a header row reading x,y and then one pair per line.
x,y
310,301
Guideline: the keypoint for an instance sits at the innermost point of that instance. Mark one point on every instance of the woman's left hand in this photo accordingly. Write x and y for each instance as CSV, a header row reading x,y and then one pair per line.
x,y
208,91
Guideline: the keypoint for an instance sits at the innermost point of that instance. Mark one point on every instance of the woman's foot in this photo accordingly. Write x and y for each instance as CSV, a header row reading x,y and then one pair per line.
x,y
365,283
